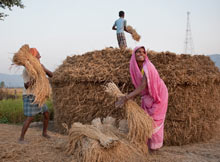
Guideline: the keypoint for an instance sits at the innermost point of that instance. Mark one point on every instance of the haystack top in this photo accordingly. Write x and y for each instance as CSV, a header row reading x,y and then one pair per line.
x,y
112,64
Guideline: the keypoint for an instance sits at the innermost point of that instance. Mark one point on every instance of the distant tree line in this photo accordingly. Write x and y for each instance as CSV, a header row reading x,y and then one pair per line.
x,y
4,4
2,84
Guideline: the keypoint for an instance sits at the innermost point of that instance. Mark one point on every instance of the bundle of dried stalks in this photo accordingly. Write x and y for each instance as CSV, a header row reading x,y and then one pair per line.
x,y
108,126
92,132
40,86
91,143
133,32
140,124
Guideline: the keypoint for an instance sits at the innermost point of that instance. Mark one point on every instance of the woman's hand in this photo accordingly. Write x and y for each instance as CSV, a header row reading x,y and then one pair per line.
x,y
121,101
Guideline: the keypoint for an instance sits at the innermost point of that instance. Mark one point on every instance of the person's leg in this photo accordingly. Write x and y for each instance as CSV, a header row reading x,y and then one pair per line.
x,y
121,40
124,43
118,39
156,140
25,127
45,124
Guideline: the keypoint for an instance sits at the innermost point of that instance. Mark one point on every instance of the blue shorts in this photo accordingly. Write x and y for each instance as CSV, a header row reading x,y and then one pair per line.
x,y
31,109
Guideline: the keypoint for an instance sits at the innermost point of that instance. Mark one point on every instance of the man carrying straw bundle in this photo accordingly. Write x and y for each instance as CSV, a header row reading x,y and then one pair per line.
x,y
31,109
154,93
120,26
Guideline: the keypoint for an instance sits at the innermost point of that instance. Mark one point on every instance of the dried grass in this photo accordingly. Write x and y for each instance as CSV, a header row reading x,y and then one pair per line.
x,y
140,124
41,87
79,96
37,148
133,32
96,143
77,129
5,94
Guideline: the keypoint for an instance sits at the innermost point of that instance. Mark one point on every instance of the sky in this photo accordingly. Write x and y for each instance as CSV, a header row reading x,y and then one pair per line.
x,y
71,27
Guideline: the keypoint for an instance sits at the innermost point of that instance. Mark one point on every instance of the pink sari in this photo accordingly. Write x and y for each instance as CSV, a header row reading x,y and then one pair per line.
x,y
154,98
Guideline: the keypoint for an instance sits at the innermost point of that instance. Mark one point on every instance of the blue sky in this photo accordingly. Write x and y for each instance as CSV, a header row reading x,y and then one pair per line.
x,y
64,28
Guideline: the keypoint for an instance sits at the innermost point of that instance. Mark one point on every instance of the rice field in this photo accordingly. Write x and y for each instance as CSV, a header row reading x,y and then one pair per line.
x,y
11,111
13,91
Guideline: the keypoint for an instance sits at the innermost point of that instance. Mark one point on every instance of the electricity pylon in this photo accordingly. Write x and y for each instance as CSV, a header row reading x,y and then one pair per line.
x,y
188,44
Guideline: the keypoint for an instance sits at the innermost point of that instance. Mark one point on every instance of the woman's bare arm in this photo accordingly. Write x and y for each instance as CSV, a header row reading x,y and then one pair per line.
x,y
139,89
131,95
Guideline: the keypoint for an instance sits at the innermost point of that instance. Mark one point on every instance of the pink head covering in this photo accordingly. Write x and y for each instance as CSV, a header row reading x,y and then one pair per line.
x,y
33,51
153,79
135,72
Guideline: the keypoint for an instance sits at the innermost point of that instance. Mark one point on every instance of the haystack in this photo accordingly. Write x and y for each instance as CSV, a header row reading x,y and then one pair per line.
x,y
79,95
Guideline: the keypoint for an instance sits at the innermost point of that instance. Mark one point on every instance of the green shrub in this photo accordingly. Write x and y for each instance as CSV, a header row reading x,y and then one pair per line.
x,y
3,119
11,111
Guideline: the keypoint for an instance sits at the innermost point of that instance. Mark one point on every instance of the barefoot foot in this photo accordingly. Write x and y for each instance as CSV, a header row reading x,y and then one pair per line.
x,y
46,136
22,141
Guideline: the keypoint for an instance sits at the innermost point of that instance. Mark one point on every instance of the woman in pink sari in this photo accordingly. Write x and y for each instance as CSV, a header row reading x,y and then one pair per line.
x,y
153,91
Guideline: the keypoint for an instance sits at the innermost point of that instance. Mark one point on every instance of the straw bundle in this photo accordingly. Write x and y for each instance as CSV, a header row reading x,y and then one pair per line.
x,y
140,124
133,32
91,143
92,132
40,87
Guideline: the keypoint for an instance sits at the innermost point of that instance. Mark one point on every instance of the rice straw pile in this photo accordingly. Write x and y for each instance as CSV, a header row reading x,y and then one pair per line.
x,y
192,112
133,32
40,87
140,124
92,143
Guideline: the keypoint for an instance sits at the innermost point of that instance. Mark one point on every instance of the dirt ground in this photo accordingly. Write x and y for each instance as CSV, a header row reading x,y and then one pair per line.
x,y
40,149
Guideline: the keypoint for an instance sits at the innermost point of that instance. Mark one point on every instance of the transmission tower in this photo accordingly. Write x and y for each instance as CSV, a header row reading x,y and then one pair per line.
x,y
188,44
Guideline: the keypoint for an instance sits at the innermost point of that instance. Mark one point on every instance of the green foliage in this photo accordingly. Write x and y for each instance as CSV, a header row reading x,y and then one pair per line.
x,y
9,4
11,111
2,84
3,119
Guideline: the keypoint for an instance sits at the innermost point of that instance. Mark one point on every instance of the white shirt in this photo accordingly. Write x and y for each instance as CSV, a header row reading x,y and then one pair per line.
x,y
26,79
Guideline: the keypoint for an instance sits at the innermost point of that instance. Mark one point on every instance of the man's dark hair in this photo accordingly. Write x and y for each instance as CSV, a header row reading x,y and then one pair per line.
x,y
121,13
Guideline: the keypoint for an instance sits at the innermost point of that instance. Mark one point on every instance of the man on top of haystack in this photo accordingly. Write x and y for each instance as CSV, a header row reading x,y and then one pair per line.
x,y
120,26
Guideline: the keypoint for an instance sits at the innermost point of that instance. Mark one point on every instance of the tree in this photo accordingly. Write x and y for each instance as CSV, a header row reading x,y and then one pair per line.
x,y
9,4
2,84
